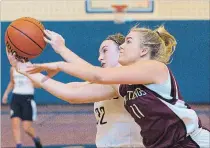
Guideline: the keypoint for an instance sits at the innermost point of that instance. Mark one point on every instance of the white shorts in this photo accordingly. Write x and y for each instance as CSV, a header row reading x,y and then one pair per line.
x,y
202,138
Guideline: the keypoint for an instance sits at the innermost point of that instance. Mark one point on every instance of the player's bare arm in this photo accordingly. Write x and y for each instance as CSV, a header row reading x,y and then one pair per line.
x,y
141,72
58,44
81,93
9,87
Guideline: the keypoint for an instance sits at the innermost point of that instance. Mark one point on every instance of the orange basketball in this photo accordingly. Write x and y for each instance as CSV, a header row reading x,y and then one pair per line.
x,y
24,36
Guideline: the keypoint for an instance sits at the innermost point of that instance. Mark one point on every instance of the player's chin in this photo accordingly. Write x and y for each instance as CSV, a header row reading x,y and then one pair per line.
x,y
122,60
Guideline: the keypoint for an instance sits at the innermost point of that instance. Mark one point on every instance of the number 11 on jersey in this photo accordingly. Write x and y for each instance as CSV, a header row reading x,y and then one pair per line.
x,y
136,111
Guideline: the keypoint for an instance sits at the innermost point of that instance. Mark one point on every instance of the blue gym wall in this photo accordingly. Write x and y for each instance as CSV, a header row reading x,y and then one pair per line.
x,y
190,61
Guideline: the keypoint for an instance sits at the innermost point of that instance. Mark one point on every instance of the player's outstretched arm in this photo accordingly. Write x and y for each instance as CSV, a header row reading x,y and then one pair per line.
x,y
141,72
71,92
74,93
58,44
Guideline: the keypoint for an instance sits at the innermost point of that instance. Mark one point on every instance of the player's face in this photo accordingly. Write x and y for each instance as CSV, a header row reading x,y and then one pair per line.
x,y
109,54
130,50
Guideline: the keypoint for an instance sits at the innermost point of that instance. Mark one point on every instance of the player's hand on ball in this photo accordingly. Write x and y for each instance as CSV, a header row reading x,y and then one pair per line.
x,y
55,40
18,64
12,59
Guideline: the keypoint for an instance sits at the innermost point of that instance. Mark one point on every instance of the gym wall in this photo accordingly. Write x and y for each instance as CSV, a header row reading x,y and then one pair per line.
x,y
187,20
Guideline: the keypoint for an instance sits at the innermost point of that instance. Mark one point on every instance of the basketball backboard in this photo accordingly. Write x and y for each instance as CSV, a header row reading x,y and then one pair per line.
x,y
133,6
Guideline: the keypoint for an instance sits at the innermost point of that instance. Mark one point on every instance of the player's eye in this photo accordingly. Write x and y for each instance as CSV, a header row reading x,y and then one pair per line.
x,y
128,41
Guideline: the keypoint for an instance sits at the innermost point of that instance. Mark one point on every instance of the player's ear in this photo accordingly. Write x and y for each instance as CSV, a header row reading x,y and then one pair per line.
x,y
144,51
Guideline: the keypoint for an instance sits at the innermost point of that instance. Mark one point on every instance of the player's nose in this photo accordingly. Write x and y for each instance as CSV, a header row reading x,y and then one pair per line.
x,y
100,58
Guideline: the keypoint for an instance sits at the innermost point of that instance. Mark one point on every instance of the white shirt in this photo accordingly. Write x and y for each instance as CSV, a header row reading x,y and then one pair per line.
x,y
115,126
22,84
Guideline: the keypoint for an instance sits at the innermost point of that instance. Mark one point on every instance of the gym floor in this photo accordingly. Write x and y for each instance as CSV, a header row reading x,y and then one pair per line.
x,y
68,126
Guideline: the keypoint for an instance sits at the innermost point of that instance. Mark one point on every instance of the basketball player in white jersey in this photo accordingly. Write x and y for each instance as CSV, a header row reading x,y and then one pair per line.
x,y
23,106
148,87
115,127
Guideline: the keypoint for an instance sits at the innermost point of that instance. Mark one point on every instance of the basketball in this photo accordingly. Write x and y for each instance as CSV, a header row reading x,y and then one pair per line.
x,y
24,37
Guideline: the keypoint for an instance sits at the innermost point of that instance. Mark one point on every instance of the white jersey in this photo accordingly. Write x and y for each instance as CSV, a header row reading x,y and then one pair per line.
x,y
115,127
22,84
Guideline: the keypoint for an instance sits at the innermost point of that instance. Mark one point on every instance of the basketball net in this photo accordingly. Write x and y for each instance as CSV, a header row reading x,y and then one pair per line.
x,y
119,13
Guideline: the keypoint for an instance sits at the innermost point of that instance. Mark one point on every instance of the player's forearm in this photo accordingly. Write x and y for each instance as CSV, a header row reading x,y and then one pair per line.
x,y
88,73
9,88
58,89
70,56
50,85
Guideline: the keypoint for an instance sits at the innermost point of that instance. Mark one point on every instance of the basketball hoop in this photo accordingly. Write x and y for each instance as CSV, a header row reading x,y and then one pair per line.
x,y
119,13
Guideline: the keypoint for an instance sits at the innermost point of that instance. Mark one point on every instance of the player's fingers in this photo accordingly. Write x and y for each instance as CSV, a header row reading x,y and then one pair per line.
x,y
13,61
48,41
40,66
34,70
13,53
48,34
56,34
10,58
53,33
32,66
7,51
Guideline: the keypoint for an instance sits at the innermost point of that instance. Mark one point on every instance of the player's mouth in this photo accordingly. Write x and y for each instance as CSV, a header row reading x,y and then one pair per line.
x,y
102,64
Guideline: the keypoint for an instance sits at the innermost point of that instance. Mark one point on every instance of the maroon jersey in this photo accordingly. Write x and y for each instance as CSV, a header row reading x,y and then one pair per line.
x,y
165,119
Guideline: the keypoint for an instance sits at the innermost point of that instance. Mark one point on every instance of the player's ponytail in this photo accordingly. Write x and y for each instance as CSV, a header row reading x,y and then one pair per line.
x,y
161,42
169,41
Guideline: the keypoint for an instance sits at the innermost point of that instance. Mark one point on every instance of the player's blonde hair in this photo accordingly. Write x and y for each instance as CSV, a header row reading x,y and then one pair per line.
x,y
118,38
161,43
